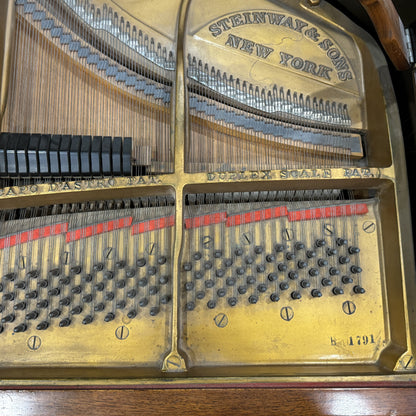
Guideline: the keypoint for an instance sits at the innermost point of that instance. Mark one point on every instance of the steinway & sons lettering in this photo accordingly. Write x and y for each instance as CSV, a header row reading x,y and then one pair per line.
x,y
250,18
339,62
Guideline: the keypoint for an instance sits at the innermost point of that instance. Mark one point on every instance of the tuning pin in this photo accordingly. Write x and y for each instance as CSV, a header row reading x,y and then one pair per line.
x,y
121,304
20,328
305,284
76,290
142,262
187,267
121,284
131,314
359,290
295,295
8,296
311,254
326,282
99,307
65,280
77,310
10,276
54,292
270,258
163,280
109,317
242,290
221,292
42,326
33,274
190,306
341,241
109,296
331,252
31,315
322,263
76,269
165,299
253,299
346,280
290,256
353,250
293,275
232,301
55,313
299,245
344,260
19,306
42,283
262,288
31,295
42,304
87,298
302,264
8,318
313,272
274,297
54,273
278,248
316,293
87,320
65,322
143,302
120,264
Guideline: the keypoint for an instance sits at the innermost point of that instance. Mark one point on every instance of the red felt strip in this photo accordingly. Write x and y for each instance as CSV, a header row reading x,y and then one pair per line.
x,y
35,234
100,228
256,216
328,212
152,225
203,220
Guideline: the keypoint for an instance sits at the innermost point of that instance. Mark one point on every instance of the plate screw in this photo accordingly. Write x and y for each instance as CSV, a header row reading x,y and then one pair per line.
x,y
348,307
369,227
34,343
287,313
221,320
122,332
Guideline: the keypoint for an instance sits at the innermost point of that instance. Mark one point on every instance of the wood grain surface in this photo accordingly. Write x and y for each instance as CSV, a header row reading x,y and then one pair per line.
x,y
390,30
210,401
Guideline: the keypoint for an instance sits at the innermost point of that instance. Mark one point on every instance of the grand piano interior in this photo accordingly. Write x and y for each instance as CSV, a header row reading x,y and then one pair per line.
x,y
203,192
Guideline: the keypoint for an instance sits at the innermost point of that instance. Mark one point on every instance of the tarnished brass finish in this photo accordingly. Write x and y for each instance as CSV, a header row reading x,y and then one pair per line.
x,y
314,2
342,336
6,41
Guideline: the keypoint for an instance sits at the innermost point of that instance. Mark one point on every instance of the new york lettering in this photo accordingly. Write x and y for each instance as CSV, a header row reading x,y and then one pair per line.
x,y
309,67
248,46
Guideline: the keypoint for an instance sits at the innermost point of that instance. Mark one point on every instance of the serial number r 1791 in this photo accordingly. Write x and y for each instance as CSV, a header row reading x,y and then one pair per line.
x,y
361,340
